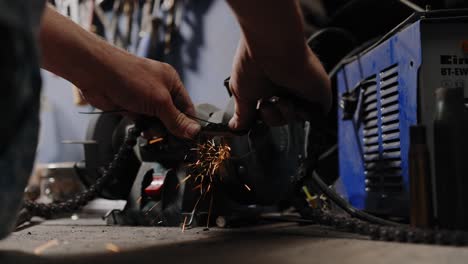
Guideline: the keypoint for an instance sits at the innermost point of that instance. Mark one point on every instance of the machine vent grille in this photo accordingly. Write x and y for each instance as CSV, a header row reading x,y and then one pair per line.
x,y
382,153
370,118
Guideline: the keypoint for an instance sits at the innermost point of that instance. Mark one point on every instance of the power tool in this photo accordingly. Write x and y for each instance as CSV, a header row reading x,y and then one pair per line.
x,y
257,178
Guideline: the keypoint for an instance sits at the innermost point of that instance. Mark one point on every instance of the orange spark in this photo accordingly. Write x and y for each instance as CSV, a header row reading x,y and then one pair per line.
x,y
156,140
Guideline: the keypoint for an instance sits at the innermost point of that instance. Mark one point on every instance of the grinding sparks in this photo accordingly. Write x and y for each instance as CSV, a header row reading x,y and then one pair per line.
x,y
183,225
156,140
152,207
210,158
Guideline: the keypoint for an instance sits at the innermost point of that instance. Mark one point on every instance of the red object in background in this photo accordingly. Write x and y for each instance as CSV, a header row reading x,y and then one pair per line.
x,y
464,46
154,189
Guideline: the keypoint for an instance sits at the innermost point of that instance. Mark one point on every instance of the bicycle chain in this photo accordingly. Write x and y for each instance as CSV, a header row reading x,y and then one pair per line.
x,y
402,234
31,209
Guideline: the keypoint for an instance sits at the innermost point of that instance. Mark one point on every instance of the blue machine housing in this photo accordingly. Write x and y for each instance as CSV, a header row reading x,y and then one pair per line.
x,y
374,143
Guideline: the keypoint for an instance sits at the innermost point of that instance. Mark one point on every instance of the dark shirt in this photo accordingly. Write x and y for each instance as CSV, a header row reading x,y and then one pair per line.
x,y
19,103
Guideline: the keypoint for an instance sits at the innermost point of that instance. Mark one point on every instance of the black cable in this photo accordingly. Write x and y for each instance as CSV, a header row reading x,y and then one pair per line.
x,y
352,54
385,37
368,46
343,204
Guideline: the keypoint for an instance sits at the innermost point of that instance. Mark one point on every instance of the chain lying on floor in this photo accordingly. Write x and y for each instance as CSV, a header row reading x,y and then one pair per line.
x,y
404,234
361,223
31,209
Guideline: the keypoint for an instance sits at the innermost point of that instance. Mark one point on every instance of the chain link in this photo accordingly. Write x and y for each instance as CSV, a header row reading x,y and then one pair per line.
x,y
403,234
31,209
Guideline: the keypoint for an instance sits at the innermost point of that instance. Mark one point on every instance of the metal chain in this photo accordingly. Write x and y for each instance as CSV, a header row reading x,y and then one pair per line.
x,y
402,234
31,209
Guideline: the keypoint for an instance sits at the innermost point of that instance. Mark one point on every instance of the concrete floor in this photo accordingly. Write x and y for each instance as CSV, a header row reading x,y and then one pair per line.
x,y
87,241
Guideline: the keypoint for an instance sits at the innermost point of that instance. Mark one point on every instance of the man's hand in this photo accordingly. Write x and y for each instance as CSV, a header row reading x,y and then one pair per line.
x,y
111,78
273,59
143,86
302,80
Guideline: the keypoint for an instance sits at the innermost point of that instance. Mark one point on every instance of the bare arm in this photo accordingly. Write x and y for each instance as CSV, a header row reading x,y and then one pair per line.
x,y
71,52
271,28
273,53
111,78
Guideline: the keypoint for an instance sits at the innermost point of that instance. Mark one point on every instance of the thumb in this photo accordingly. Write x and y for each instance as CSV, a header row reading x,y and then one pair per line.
x,y
177,122
244,115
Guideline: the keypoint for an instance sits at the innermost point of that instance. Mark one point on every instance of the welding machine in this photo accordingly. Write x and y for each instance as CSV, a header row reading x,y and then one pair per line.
x,y
388,87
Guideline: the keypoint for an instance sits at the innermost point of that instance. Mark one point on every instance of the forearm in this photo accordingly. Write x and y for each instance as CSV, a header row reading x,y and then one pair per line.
x,y
274,35
271,28
70,51
110,78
